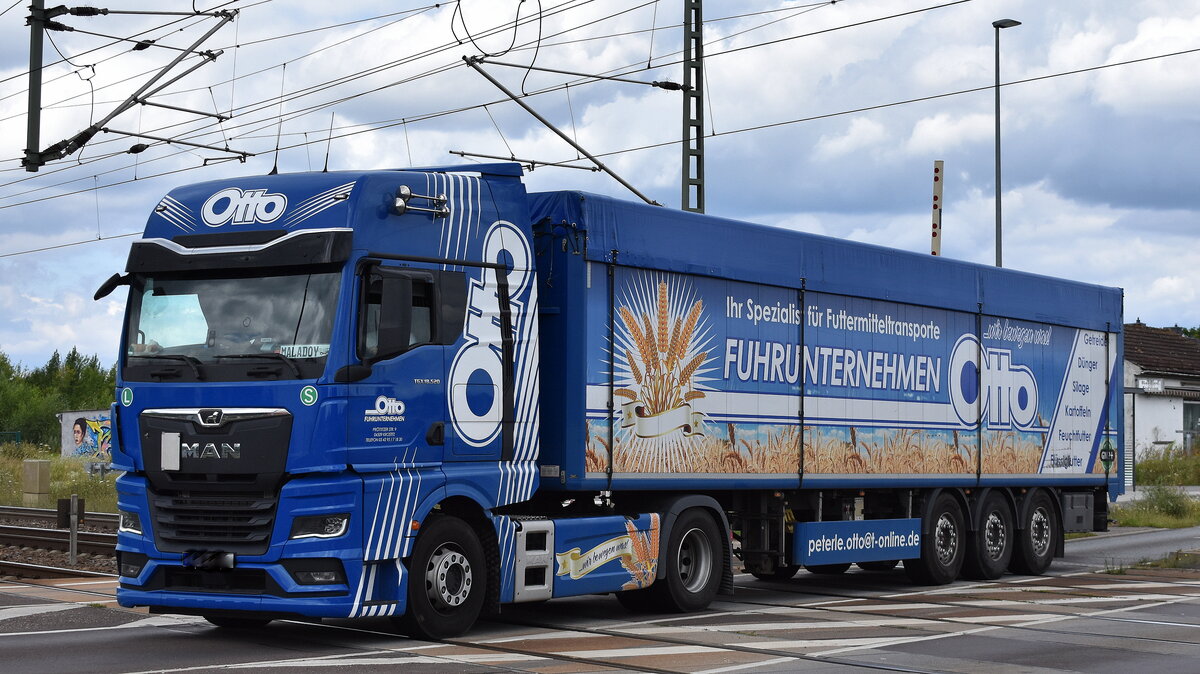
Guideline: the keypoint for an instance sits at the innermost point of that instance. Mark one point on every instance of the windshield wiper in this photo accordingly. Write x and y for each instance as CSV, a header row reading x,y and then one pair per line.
x,y
267,354
192,361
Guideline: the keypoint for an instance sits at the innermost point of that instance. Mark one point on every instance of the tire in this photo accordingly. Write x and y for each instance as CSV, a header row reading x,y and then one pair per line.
x,y
781,573
991,546
695,561
943,548
1038,538
226,622
828,569
447,580
885,565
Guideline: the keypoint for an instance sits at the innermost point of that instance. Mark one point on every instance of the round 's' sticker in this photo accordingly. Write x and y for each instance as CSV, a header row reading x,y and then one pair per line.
x,y
308,395
126,397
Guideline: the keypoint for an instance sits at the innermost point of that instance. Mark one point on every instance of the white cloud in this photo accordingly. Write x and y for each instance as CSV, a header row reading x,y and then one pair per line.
x,y
945,130
1162,87
862,133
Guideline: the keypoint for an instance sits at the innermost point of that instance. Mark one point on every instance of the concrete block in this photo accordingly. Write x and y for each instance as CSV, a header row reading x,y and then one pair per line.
x,y
35,477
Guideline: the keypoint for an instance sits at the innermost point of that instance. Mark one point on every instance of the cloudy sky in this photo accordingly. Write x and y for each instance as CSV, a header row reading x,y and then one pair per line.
x,y
824,117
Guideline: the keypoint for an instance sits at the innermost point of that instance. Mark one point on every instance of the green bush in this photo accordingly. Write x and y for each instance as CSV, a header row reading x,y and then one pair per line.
x,y
1159,506
1168,466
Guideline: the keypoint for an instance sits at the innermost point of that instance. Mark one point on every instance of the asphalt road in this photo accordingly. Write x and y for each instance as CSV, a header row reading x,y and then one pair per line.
x,y
1126,547
1073,619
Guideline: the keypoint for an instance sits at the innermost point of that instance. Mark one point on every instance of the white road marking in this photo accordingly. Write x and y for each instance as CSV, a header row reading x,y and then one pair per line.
x,y
642,652
748,665
33,609
769,627
1040,621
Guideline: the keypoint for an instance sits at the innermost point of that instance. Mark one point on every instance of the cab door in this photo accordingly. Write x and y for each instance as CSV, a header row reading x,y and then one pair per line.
x,y
398,407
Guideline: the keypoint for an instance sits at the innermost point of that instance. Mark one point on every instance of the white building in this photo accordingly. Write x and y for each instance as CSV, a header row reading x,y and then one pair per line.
x,y
1162,391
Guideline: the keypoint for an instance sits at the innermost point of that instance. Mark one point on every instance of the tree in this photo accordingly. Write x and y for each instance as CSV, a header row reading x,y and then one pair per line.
x,y
30,399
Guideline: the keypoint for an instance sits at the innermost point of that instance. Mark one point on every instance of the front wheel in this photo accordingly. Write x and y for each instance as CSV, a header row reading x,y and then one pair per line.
x,y
447,580
1038,539
943,547
694,564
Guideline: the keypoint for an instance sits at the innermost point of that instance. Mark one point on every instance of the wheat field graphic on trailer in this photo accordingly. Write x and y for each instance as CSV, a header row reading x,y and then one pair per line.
x,y
661,347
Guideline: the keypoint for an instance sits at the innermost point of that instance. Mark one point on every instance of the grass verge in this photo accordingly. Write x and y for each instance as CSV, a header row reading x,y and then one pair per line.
x,y
1161,507
68,475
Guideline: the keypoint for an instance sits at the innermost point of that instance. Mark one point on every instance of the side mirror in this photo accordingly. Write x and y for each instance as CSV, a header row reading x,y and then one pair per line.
x,y
395,314
110,285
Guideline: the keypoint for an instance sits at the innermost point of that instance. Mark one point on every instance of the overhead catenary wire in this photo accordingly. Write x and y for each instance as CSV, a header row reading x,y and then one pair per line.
x,y
329,84
409,120
748,129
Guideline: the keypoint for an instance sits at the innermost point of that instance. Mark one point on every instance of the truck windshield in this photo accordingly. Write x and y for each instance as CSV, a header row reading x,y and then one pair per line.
x,y
189,327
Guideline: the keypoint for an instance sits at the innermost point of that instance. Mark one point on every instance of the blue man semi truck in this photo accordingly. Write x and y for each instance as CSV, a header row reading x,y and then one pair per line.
x,y
425,394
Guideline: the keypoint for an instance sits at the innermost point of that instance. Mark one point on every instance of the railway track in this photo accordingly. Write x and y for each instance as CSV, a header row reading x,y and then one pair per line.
x,y
22,570
58,539
101,520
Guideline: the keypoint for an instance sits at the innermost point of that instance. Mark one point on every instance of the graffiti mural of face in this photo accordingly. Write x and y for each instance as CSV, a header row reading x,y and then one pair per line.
x,y
79,435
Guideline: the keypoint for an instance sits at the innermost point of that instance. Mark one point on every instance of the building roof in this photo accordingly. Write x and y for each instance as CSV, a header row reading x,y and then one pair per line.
x,y
1162,350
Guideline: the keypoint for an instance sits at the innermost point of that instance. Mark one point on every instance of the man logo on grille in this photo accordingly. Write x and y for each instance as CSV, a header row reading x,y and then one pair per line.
x,y
211,417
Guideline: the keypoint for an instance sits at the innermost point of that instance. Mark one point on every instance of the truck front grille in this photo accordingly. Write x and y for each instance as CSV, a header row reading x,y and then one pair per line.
x,y
230,522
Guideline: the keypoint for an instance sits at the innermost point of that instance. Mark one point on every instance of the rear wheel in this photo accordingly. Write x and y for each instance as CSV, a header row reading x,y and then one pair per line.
x,y
447,580
943,548
228,622
1038,539
694,564
991,547
828,569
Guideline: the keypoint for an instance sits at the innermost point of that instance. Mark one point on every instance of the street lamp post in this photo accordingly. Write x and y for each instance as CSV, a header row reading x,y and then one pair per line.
x,y
1001,23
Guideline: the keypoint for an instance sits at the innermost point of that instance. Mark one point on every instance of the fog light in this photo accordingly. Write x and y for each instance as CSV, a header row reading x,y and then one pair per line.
x,y
320,526
315,577
129,522
130,564
316,570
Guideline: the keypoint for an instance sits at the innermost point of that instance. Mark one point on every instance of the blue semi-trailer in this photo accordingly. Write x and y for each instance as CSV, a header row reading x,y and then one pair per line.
x,y
426,393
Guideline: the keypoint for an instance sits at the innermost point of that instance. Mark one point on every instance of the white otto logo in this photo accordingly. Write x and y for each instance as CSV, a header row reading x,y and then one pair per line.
x,y
477,373
242,208
1008,396
386,407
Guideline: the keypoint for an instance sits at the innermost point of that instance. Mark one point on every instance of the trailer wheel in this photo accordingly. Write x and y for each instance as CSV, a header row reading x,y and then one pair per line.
x,y
231,623
885,565
780,573
693,557
828,569
943,548
447,580
991,548
1038,540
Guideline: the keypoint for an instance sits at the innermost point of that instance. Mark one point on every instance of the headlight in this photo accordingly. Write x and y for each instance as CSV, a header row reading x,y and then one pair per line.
x,y
320,526
129,522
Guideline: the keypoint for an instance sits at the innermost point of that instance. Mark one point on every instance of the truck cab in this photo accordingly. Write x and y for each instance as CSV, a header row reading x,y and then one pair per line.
x,y
310,364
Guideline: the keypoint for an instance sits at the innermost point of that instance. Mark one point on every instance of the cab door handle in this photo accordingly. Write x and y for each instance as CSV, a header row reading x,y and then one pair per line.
x,y
436,435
